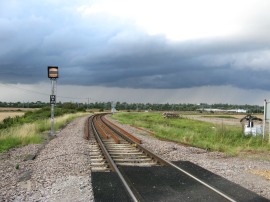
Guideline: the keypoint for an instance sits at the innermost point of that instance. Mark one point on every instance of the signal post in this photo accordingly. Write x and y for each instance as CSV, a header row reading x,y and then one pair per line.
x,y
53,74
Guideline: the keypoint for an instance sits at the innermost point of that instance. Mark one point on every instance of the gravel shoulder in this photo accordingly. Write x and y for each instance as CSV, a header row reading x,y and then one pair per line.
x,y
60,172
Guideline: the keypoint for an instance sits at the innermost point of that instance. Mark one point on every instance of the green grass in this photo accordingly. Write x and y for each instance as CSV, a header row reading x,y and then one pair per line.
x,y
224,138
30,133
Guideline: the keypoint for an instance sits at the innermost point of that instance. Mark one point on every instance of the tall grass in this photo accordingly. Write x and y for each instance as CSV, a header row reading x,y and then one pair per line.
x,y
19,135
4,115
201,134
29,133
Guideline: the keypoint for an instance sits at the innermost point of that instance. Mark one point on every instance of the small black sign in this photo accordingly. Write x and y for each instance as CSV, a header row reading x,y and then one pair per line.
x,y
52,99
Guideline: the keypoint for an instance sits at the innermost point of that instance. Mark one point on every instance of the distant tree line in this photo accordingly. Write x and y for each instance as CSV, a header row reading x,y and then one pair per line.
x,y
102,106
37,104
184,107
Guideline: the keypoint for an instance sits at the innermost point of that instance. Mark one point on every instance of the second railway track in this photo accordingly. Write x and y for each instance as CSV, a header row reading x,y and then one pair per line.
x,y
143,174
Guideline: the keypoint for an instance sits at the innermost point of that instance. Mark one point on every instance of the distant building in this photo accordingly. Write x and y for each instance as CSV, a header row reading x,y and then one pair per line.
x,y
237,110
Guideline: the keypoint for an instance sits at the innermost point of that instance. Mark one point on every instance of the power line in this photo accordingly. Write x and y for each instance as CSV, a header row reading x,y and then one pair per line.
x,y
36,92
46,94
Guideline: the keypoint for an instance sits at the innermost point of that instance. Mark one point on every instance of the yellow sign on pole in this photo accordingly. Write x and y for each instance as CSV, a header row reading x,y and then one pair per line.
x,y
53,72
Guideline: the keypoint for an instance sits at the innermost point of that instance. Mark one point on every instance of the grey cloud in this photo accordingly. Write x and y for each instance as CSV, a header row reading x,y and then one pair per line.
x,y
105,51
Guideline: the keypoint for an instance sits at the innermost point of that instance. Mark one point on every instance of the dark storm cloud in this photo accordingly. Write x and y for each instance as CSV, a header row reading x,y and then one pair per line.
x,y
156,64
107,51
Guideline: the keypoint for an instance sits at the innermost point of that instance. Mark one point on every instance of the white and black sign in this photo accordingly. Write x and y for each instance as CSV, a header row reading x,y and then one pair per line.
x,y
52,99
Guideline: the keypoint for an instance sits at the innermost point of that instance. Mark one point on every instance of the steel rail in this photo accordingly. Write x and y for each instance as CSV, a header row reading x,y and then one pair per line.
x,y
111,162
105,128
147,151
93,143
202,182
100,129
117,128
163,161
86,128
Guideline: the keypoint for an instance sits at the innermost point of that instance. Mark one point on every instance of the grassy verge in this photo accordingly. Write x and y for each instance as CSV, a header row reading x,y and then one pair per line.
x,y
29,133
224,138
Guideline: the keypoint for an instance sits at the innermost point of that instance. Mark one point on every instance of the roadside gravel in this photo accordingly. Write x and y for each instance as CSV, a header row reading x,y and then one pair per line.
x,y
60,172
237,170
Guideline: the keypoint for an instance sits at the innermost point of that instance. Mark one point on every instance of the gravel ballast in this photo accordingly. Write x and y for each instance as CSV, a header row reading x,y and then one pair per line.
x,y
61,170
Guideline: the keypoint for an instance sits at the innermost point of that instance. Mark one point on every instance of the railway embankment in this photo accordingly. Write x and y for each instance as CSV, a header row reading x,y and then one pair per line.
x,y
60,172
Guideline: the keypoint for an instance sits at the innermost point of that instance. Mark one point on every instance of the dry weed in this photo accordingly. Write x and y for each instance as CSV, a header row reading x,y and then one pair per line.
x,y
4,115
263,173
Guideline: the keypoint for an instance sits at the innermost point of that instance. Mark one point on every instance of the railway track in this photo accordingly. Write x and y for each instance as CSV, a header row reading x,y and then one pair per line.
x,y
115,150
105,143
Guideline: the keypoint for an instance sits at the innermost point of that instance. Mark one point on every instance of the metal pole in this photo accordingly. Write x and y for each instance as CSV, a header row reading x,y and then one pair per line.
x,y
269,132
52,109
264,118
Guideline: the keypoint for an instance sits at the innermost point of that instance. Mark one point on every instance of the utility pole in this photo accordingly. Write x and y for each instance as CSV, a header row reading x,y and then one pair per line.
x,y
264,118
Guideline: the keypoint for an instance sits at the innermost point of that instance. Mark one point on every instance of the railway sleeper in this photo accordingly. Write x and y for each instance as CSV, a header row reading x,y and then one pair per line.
x,y
98,164
119,150
123,150
94,149
95,153
138,164
110,143
96,159
100,169
93,145
121,139
133,160
130,156
96,156
120,146
126,153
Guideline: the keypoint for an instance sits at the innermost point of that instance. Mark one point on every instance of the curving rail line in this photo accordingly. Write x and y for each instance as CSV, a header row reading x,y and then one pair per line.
x,y
112,146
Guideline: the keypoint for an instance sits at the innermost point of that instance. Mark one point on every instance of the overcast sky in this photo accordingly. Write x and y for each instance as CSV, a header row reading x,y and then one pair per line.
x,y
136,50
